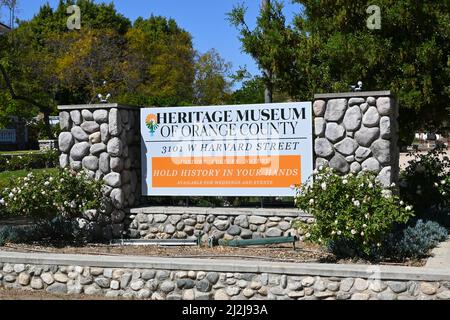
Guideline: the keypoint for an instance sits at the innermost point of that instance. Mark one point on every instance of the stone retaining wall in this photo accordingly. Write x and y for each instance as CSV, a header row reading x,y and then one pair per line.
x,y
104,139
228,224
357,131
197,279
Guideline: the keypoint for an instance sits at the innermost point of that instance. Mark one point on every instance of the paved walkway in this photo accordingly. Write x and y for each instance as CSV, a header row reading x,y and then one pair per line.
x,y
441,256
405,157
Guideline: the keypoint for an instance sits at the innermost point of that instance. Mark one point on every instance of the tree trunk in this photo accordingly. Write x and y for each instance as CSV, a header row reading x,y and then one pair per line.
x,y
268,92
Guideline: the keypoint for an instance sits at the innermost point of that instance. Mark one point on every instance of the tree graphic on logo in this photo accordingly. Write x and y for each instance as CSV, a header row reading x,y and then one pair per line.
x,y
152,123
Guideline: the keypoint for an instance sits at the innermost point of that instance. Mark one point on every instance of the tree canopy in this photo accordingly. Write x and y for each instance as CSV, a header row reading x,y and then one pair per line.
x,y
151,62
328,47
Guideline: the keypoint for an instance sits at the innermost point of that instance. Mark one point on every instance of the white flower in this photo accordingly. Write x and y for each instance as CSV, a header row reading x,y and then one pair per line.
x,y
338,232
444,193
364,225
345,181
442,181
333,232
370,185
335,221
402,203
320,168
436,184
2,202
356,203
362,233
43,193
378,244
323,186
61,180
386,193
50,179
353,231
393,184
46,183
311,201
11,195
308,235
408,208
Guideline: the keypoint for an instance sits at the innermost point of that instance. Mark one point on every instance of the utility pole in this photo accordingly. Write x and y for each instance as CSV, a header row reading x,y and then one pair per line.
x,y
268,94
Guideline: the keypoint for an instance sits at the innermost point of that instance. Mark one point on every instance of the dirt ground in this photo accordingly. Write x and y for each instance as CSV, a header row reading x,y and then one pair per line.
x,y
16,294
282,252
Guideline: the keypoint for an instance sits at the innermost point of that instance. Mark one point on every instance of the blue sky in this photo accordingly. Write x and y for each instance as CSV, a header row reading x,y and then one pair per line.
x,y
204,19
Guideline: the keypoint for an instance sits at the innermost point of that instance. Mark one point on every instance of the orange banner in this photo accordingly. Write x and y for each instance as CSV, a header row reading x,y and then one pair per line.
x,y
281,171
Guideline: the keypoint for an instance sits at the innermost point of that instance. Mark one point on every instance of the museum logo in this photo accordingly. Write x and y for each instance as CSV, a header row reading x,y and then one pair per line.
x,y
152,123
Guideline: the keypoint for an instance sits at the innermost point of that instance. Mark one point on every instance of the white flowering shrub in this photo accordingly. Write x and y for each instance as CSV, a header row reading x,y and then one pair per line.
x,y
425,183
352,210
48,195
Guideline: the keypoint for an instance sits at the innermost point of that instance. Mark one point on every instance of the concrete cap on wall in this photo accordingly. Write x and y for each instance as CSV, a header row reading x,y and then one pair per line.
x,y
96,106
352,94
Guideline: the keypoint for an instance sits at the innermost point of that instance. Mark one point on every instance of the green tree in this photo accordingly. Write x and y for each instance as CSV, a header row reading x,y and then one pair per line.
x,y
272,44
36,56
331,47
409,55
211,85
252,91
159,67
84,60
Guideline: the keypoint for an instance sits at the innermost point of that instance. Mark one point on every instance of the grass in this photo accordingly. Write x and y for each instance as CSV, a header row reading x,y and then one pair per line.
x,y
7,175
20,152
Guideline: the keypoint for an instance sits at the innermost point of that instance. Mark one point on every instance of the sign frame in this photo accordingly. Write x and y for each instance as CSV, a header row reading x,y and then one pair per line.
x,y
162,131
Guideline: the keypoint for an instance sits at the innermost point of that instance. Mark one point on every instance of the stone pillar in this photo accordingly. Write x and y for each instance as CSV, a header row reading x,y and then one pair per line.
x,y
357,131
104,139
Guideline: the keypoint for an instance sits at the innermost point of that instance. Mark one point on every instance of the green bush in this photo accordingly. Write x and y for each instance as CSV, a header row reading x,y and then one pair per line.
x,y
351,211
38,130
425,183
415,241
47,159
58,231
13,234
51,194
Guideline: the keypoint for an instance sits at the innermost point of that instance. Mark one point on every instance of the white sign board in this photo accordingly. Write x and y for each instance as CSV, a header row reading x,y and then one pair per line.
x,y
237,150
